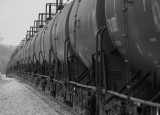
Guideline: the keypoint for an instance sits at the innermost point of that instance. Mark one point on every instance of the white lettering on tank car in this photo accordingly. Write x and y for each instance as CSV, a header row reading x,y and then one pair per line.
x,y
144,5
94,20
139,49
155,62
110,26
156,13
123,51
114,7
118,43
152,39
88,15
113,24
150,55
158,66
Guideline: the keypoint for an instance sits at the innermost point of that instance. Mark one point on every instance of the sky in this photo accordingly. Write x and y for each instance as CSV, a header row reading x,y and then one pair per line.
x,y
16,17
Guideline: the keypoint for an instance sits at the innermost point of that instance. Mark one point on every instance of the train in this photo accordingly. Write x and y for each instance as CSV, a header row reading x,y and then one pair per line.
x,y
100,57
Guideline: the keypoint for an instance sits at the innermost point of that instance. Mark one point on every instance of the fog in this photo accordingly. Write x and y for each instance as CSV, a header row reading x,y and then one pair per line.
x,y
5,53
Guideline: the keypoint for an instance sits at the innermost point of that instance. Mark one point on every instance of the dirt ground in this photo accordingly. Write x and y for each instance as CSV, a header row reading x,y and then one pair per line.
x,y
17,99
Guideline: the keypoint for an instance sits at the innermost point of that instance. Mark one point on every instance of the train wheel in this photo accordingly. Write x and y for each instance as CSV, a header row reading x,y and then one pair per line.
x,y
29,79
35,81
44,84
39,83
47,87
51,88
32,79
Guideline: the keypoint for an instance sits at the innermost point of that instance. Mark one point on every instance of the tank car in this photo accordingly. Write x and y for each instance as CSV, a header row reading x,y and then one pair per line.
x,y
97,55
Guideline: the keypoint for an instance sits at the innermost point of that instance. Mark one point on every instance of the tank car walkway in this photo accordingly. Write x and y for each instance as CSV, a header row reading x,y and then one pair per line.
x,y
17,99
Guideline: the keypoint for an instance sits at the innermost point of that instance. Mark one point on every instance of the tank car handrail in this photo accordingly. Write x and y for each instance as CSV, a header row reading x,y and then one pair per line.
x,y
101,32
149,103
96,71
83,86
65,56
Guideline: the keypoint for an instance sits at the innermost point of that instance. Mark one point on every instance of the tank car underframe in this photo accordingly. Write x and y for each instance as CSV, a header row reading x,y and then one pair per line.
x,y
72,92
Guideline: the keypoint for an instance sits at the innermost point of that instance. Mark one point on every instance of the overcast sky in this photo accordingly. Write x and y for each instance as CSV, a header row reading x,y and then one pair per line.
x,y
16,16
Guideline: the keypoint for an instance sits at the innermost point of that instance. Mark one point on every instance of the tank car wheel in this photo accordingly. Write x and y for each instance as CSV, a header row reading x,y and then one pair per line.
x,y
32,79
44,84
47,87
36,81
25,77
29,79
51,88
39,83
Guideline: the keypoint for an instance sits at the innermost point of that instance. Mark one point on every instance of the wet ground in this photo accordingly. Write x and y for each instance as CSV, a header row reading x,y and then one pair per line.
x,y
18,98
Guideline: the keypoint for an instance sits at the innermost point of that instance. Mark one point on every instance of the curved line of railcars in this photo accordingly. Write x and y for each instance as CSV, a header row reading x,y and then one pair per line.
x,y
80,20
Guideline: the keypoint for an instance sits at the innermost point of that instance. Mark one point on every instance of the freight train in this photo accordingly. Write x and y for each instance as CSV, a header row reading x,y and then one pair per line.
x,y
100,57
